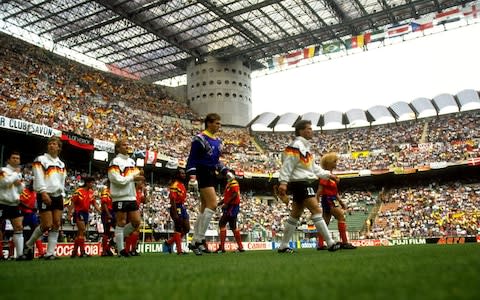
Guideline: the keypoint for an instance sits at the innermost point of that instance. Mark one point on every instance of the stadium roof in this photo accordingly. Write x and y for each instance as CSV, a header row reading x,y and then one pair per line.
x,y
399,111
155,39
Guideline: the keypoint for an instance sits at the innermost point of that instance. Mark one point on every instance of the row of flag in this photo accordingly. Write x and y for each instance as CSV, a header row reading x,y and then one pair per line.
x,y
360,41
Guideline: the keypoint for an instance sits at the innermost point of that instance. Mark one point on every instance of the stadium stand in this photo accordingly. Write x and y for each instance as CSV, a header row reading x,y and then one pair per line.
x,y
42,88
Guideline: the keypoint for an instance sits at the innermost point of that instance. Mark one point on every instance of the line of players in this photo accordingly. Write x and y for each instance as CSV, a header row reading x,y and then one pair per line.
x,y
20,203
126,190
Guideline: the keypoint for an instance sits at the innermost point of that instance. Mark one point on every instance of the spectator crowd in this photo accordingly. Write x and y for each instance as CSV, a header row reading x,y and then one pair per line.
x,y
43,88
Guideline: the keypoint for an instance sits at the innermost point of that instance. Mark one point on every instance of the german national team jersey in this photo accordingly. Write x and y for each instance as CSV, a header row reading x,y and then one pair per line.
x,y
178,192
82,199
329,187
106,199
49,175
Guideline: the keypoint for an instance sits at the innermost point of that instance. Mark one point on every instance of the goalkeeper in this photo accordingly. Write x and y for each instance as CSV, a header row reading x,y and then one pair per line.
x,y
202,166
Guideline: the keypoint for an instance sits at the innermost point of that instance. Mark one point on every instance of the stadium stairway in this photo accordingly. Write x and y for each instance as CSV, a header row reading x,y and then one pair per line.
x,y
424,136
389,206
355,221
257,146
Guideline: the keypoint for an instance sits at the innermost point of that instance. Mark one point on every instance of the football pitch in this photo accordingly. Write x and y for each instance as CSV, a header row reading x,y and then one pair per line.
x,y
399,272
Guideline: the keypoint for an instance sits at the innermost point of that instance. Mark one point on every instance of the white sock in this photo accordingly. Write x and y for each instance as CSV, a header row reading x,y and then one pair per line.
x,y
207,217
36,234
290,225
322,227
196,229
119,238
18,241
52,242
128,229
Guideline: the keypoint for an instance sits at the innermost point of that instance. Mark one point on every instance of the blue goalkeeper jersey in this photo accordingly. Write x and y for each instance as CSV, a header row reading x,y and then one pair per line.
x,y
205,153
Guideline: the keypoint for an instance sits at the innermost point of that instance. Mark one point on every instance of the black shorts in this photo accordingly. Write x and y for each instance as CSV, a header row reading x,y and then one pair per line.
x,y
9,212
57,203
206,177
302,190
125,206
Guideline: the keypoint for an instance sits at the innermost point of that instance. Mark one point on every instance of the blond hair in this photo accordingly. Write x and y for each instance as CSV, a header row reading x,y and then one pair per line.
x,y
328,160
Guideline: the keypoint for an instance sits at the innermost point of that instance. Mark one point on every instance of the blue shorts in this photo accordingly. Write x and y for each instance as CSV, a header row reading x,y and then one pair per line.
x,y
231,210
181,211
105,222
329,202
31,220
80,216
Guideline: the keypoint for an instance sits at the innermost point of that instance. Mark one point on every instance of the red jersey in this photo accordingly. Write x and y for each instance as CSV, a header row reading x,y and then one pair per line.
x,y
178,192
232,188
28,199
329,187
105,198
82,199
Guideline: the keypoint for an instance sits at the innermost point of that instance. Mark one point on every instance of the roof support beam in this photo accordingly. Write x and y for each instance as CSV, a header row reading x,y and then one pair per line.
x,y
112,20
39,4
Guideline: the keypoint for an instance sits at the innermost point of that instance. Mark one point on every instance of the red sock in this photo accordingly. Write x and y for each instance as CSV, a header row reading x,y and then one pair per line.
x,y
76,243
81,244
177,236
171,240
223,237
11,248
128,243
39,245
238,238
319,240
342,229
133,241
105,246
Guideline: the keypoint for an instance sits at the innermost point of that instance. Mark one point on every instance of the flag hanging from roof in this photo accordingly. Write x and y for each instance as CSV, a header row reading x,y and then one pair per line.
x,y
331,47
357,41
471,11
398,30
448,16
374,36
310,52
294,57
275,62
421,24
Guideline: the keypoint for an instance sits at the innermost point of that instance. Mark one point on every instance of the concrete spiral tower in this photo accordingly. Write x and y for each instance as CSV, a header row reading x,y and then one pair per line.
x,y
222,87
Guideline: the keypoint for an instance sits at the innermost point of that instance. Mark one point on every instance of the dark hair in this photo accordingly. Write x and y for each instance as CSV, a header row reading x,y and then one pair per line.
x,y
300,125
211,117
178,172
176,175
29,185
14,152
87,180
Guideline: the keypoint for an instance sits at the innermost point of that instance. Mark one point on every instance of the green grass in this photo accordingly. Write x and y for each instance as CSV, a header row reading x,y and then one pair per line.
x,y
401,272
